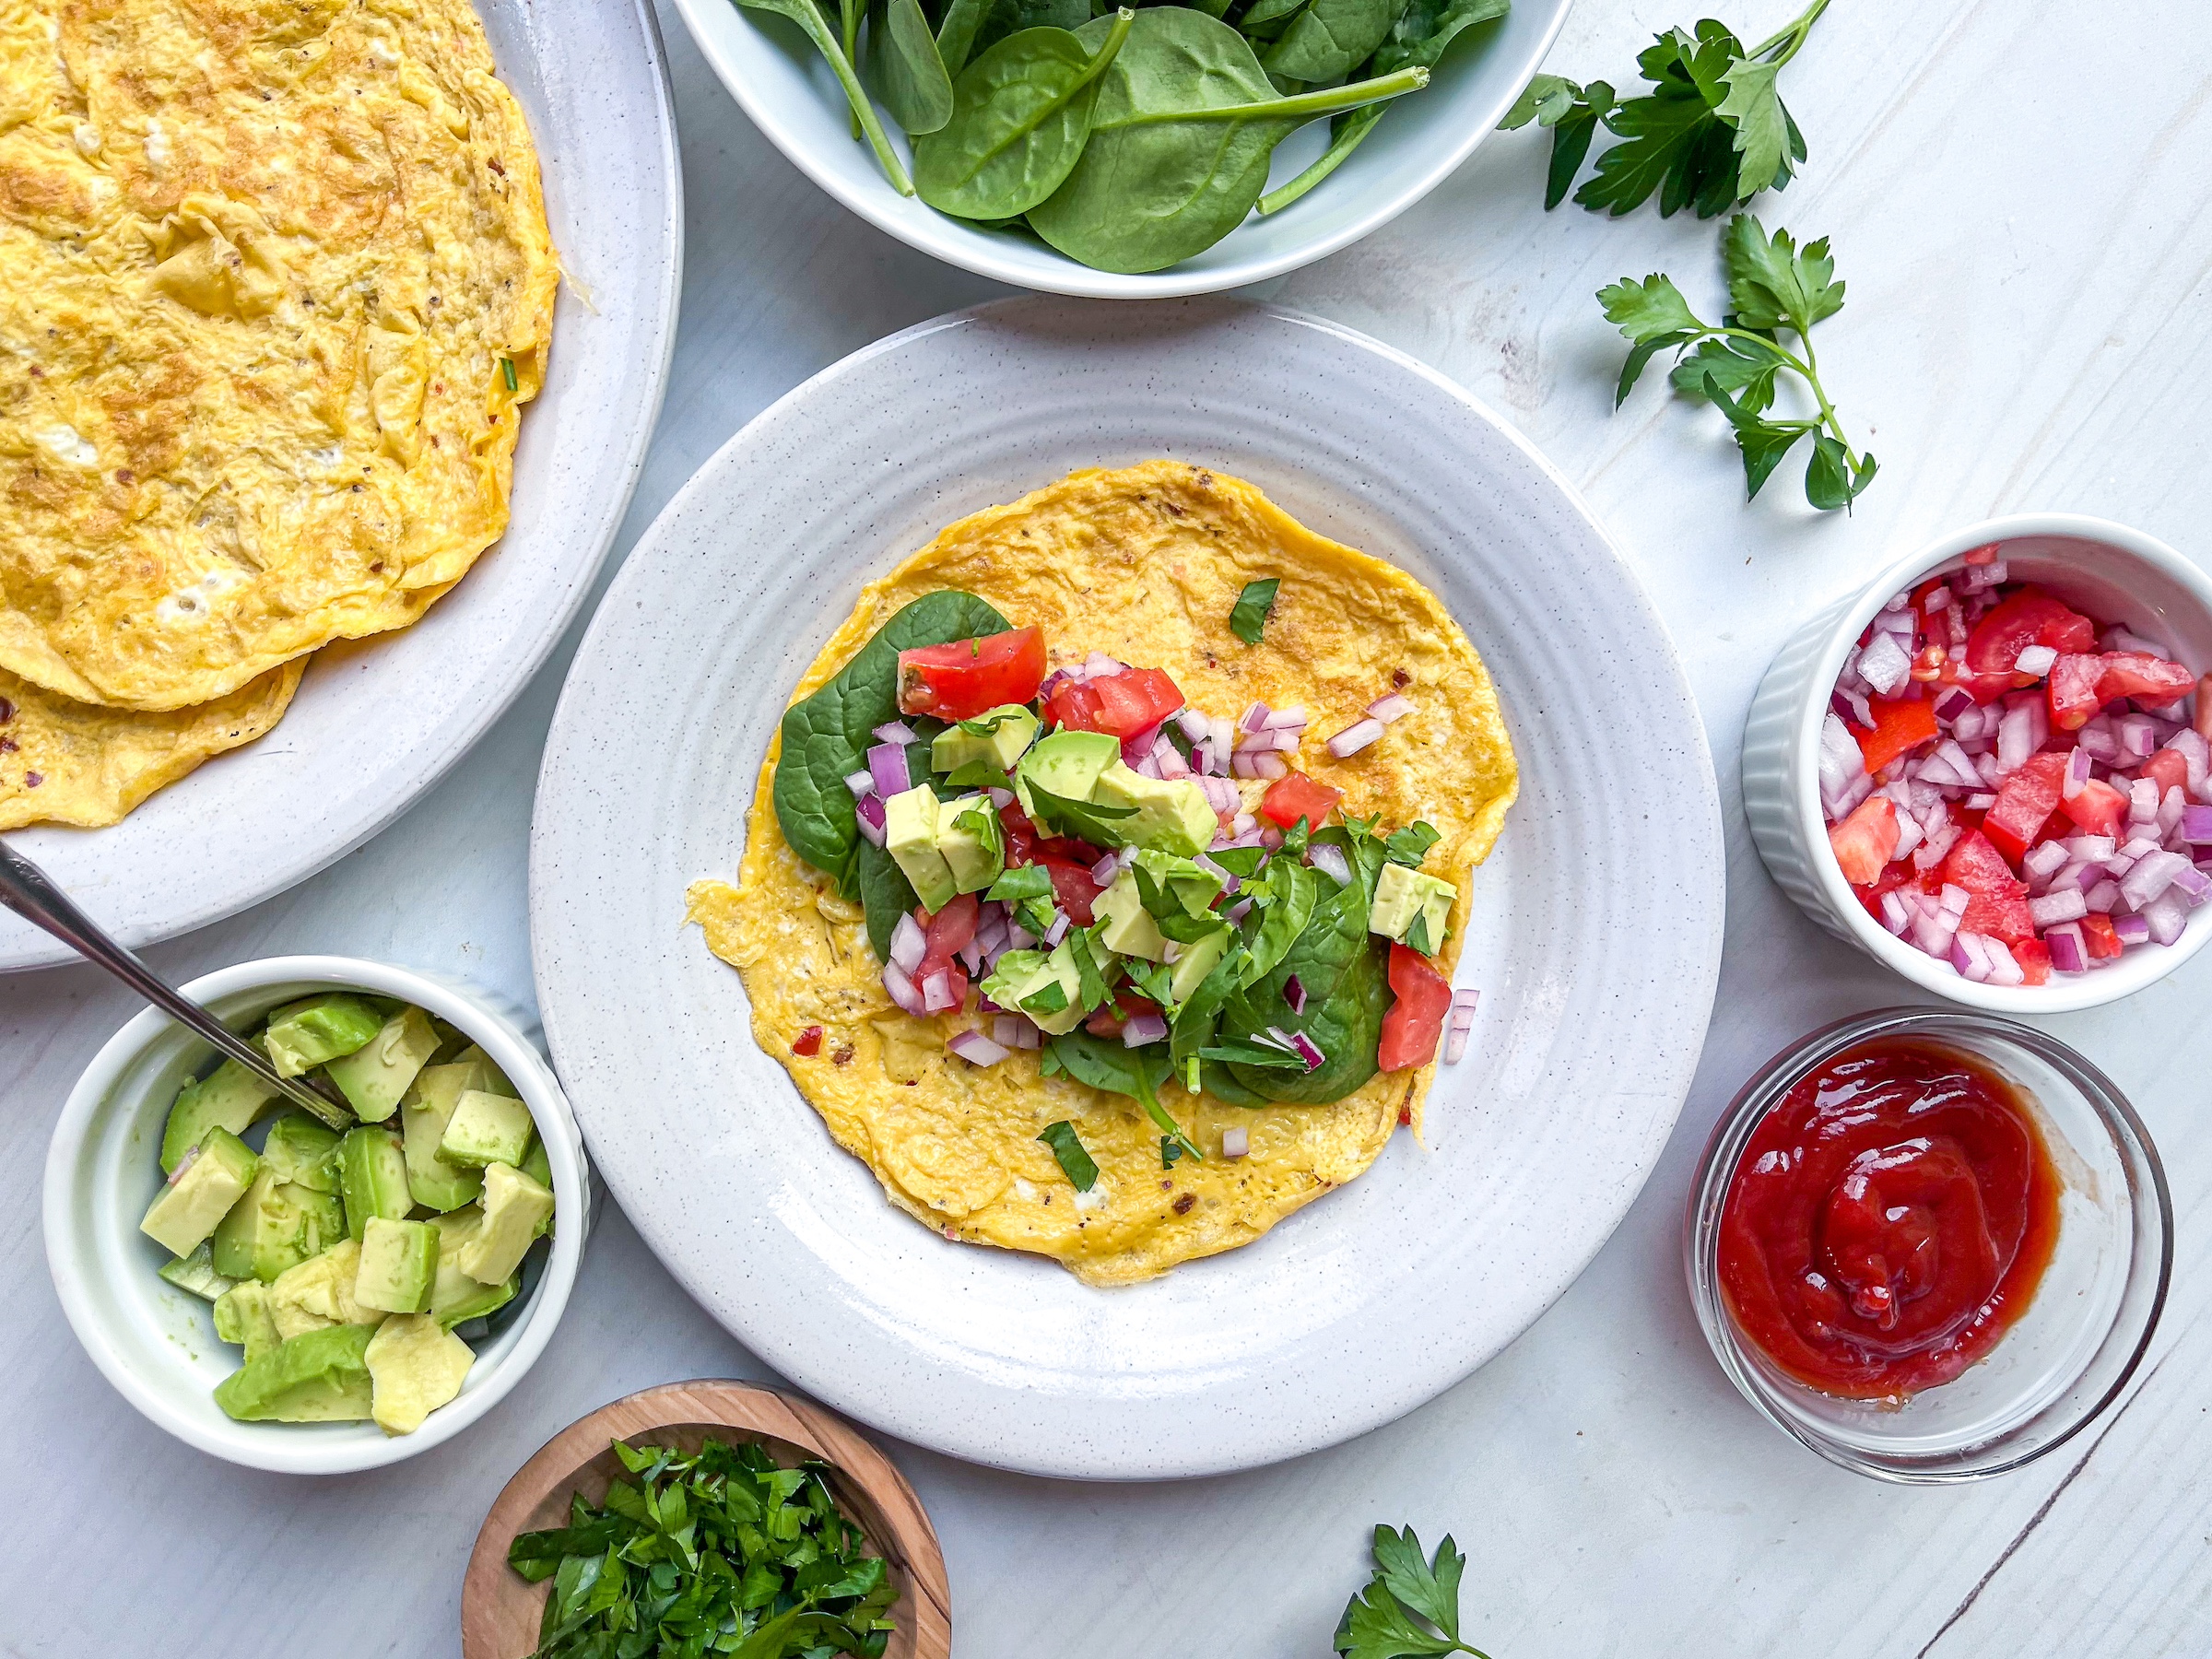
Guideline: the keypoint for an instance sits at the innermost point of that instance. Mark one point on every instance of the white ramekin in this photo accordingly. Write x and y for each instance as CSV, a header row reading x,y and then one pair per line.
x,y
2114,573
156,1343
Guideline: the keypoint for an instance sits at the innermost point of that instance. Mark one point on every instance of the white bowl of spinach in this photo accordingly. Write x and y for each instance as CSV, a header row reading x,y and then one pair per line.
x,y
1179,149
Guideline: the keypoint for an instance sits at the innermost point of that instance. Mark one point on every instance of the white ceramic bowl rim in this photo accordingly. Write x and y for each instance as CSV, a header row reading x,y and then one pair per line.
x,y
2142,966
281,1447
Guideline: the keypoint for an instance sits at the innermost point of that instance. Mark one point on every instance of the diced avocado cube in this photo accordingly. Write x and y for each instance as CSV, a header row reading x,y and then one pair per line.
x,y
513,1206
319,1292
486,1075
1130,930
1044,985
1065,764
265,1231
540,1168
1199,958
241,1315
204,1189
196,1273
316,1377
375,1076
415,1366
1171,814
305,1034
971,843
399,1261
995,739
229,1097
435,1180
486,1129
455,1297
322,1216
1190,884
303,1152
910,836
1403,897
372,1175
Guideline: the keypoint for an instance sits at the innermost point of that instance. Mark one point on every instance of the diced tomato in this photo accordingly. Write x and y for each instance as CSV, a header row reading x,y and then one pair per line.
x,y
808,1042
1897,873
1984,554
960,680
1073,888
2025,803
1997,899
2073,691
1124,703
2026,617
2137,674
1293,797
945,935
2098,809
1416,1019
1900,726
2099,933
1109,1021
1866,840
2169,768
1024,845
2034,958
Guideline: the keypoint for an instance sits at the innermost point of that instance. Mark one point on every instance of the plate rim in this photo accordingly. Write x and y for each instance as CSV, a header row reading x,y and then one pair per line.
x,y
869,1403
36,950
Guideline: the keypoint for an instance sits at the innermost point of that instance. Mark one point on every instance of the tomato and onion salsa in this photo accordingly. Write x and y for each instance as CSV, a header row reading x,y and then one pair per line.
x,y
1890,1220
2011,785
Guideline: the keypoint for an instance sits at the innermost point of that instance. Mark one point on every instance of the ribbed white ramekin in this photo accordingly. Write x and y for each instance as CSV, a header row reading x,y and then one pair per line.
x,y
2114,573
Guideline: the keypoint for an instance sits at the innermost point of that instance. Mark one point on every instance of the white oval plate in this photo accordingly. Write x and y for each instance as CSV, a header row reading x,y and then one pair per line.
x,y
378,721
1595,938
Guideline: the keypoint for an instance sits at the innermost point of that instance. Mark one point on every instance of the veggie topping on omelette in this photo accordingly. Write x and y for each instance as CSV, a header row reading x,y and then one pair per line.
x,y
1047,911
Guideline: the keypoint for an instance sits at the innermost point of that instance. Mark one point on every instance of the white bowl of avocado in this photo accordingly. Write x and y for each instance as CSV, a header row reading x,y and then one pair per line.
x,y
306,1295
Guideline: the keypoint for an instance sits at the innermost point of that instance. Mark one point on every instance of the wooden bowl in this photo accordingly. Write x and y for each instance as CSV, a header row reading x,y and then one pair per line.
x,y
500,1609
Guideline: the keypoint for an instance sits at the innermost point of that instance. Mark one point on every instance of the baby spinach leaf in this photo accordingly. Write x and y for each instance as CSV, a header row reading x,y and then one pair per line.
x,y
1018,882
1195,1020
1181,132
808,17
826,736
903,63
1104,1063
1287,900
1344,975
1081,1169
885,894
1248,618
1329,39
1020,117
957,32
1264,20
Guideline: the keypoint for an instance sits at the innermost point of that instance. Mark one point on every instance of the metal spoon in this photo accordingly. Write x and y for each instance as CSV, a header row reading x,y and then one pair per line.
x,y
32,894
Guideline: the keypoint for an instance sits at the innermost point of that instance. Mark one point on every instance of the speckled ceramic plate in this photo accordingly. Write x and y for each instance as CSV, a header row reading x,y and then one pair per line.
x,y
1595,938
377,723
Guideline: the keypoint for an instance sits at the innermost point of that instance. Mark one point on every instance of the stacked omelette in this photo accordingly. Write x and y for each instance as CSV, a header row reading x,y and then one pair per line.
x,y
275,280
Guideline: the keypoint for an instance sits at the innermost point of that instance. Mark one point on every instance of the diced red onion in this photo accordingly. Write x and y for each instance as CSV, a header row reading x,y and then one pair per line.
x,y
2167,917
2067,904
1954,900
2133,930
1390,706
1953,703
1294,994
869,814
1271,838
2016,736
1976,578
1897,915
970,957
1243,823
2197,826
2045,859
1236,1142
2098,739
2036,660
2136,846
1098,665
1968,958
1909,835
1197,727
908,944
2070,951
1885,664
1980,803
1145,767
896,732
2137,736
1221,794
976,1049
2095,848
1000,798
2119,638
861,783
937,992
1105,870
1234,915
2193,883
1361,733
2151,876
1851,704
902,990
1269,765
1331,861
1285,720
1143,1028
1254,719
2103,898
1308,1051
887,765
1058,930
1240,765
2196,756
2004,968
1019,938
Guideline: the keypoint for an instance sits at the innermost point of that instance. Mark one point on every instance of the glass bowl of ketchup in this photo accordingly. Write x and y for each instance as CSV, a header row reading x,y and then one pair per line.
x,y
1930,1245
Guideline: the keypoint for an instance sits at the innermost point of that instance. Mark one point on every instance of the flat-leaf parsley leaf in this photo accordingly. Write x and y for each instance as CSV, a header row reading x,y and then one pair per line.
x,y
1411,1609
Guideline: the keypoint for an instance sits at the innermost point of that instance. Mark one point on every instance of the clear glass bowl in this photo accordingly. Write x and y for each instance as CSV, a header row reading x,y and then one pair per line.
x,y
2069,1356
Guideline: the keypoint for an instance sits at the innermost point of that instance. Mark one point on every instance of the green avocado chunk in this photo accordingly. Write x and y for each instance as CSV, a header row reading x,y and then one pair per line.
x,y
204,1190
995,738
375,1077
373,1174
196,1273
229,1097
513,1206
306,1034
399,1259
1047,986
275,1226
972,842
1170,816
455,1296
911,822
1066,764
436,1182
415,1366
303,1152
241,1315
316,1377
485,1128
1403,897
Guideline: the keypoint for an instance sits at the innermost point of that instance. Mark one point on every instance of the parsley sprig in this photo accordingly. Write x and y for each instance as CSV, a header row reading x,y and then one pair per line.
x,y
1773,287
1712,132
1411,1609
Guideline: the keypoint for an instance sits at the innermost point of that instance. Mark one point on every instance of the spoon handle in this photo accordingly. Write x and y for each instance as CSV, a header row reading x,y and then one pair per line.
x,y
32,895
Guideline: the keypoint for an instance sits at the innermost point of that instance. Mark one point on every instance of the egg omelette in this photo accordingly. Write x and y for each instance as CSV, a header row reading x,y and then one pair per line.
x,y
275,280
1144,564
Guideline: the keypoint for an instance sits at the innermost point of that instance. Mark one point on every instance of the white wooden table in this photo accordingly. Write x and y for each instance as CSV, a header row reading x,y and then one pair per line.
x,y
2021,199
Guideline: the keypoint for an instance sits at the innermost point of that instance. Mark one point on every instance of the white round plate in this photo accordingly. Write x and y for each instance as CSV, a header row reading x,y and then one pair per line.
x,y
378,721
788,90
1595,938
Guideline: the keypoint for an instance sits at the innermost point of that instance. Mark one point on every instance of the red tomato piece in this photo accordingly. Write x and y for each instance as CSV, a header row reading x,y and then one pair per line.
x,y
1416,1019
962,679
1900,726
1073,888
1109,1021
2168,770
2073,690
1997,899
1294,795
2034,958
2098,809
2137,674
1866,840
2099,933
808,1042
944,935
2025,803
2026,616
1024,845
1125,704
1073,706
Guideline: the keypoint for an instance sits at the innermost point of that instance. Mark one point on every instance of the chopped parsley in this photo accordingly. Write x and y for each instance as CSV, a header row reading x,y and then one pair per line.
x,y
1075,1162
1253,606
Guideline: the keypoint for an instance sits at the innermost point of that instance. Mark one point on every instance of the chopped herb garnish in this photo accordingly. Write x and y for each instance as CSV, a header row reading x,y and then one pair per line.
x,y
1086,820
718,1552
1410,845
507,373
1048,999
1077,1164
1249,619
1417,934
1169,1150
1021,881
1410,1608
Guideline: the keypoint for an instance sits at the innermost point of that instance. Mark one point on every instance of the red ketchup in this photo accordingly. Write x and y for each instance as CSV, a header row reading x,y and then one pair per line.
x,y
1890,1220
